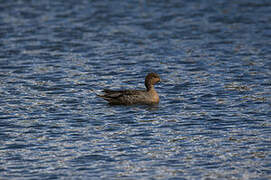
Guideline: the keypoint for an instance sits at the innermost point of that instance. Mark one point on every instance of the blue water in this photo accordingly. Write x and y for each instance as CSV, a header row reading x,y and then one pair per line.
x,y
214,116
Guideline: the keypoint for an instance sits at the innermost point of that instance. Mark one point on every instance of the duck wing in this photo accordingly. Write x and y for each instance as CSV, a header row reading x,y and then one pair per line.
x,y
116,94
121,97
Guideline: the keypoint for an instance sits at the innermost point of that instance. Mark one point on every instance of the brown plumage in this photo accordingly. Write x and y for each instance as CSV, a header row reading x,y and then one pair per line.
x,y
130,97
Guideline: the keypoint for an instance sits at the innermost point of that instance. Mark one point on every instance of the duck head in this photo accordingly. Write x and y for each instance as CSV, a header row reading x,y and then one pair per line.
x,y
151,79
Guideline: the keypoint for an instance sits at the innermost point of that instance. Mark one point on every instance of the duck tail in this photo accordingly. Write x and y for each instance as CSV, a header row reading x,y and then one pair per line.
x,y
95,92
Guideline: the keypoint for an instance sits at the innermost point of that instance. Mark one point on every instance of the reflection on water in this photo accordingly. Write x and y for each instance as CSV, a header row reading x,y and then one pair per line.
x,y
213,120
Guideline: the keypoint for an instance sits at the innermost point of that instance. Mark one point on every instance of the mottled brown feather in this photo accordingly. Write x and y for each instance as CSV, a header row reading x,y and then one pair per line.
x,y
129,97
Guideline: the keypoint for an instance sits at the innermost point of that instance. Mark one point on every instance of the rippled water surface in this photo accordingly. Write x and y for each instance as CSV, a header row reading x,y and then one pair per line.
x,y
214,116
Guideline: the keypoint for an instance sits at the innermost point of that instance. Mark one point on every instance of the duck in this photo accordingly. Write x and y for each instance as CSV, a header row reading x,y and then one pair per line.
x,y
149,96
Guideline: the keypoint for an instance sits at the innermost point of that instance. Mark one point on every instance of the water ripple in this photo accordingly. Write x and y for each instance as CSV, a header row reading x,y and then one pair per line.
x,y
213,121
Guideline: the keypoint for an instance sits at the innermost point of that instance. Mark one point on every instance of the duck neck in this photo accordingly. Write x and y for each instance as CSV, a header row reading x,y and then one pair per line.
x,y
149,87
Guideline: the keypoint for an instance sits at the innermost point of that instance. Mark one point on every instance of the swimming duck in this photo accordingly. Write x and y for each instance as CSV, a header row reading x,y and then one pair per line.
x,y
130,97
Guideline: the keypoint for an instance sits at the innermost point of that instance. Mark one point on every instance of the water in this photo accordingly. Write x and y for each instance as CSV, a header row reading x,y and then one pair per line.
x,y
214,118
